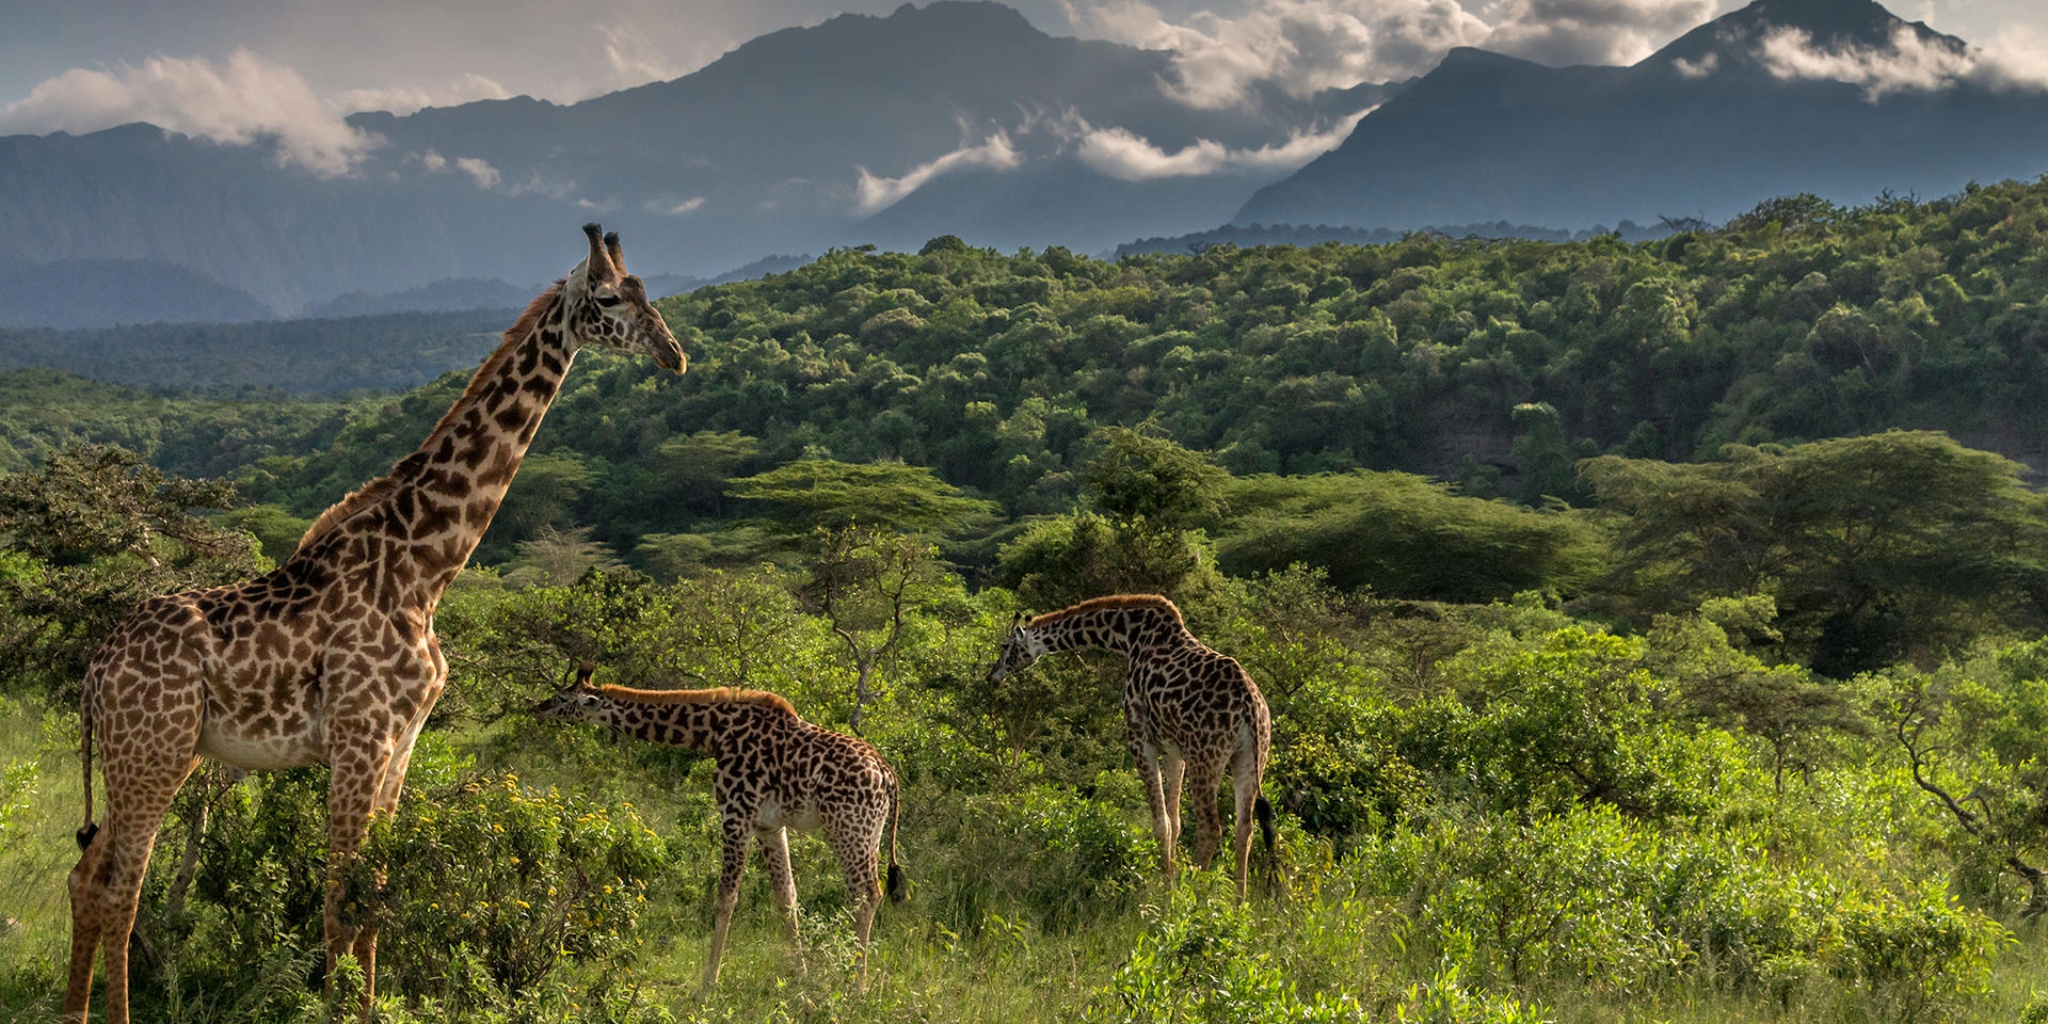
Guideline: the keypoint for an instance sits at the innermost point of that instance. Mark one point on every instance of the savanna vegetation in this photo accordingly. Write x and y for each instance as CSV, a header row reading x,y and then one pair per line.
x,y
1654,632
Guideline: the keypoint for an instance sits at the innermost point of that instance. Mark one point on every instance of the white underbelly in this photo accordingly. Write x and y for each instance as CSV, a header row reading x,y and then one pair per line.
x,y
259,753
802,817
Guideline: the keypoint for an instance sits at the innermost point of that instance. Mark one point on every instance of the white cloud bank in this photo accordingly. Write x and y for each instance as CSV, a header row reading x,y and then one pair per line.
x,y
239,101
244,99
1565,32
1119,153
873,194
1303,46
1910,64
404,100
1297,46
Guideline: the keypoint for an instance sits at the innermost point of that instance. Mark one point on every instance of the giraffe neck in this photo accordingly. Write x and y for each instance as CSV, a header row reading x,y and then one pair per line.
x,y
431,511
1129,631
695,719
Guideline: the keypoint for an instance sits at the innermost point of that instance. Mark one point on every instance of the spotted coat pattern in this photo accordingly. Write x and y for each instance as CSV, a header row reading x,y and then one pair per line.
x,y
1188,710
331,658
775,772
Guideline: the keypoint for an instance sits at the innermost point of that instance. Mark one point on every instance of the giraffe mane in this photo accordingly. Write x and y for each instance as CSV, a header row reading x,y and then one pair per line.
x,y
714,695
1103,603
377,490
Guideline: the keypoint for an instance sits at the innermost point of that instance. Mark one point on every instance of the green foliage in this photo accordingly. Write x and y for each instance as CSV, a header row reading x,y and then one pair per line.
x,y
815,494
489,886
1064,860
1875,549
1402,536
1203,964
92,533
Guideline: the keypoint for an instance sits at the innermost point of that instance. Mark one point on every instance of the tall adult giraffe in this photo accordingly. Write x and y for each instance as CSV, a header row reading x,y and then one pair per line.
x,y
1186,708
331,658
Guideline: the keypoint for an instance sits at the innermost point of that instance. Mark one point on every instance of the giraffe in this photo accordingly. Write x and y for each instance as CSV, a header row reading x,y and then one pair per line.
x,y
775,772
1186,709
331,658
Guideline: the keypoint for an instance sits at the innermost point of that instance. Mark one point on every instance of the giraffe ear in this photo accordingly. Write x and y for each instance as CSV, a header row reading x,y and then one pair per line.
x,y
618,256
599,266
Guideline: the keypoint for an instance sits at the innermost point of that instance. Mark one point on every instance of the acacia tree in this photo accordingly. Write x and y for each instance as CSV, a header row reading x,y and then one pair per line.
x,y
1895,546
93,532
865,581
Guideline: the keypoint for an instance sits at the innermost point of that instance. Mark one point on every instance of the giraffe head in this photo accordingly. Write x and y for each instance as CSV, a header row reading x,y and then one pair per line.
x,y
576,702
604,305
1023,646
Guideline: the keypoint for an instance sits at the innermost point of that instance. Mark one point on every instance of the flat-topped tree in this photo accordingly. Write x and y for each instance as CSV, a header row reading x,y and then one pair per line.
x,y
331,658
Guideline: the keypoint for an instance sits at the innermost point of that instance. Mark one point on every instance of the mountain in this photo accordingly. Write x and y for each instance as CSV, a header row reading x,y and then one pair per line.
x,y
1778,98
953,118
103,293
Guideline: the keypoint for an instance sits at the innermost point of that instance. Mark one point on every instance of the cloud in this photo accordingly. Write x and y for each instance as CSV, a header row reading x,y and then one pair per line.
x,y
1911,64
1298,46
673,208
1702,68
402,100
632,59
1123,155
1564,32
478,169
239,101
486,176
872,194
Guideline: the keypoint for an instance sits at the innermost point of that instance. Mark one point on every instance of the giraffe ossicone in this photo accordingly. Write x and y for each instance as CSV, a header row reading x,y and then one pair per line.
x,y
1187,710
331,658
776,772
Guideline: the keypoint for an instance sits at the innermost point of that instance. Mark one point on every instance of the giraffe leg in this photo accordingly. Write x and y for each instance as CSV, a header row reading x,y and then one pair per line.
x,y
1208,822
106,886
775,854
1244,780
1171,772
1146,751
734,858
355,775
857,845
389,788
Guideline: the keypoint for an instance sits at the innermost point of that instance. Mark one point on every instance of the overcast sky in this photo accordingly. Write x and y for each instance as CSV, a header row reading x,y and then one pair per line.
x,y
76,63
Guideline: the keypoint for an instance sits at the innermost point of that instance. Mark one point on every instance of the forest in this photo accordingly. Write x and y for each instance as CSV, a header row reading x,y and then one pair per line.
x,y
1653,631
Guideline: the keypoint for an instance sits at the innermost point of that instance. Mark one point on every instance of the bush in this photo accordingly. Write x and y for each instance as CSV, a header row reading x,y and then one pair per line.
x,y
1203,964
488,886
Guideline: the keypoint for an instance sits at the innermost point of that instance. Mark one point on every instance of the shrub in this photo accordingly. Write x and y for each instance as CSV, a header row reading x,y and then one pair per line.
x,y
488,886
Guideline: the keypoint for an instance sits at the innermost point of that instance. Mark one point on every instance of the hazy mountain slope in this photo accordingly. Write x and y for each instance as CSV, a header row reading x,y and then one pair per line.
x,y
102,293
1703,127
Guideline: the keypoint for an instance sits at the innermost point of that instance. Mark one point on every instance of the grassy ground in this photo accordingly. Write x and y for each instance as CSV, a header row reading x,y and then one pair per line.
x,y
922,970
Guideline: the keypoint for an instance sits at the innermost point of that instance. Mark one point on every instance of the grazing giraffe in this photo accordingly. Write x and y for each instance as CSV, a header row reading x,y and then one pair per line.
x,y
1186,708
775,772
331,658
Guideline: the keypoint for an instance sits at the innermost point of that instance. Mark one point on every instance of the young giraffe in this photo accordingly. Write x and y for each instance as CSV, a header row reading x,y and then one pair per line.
x,y
775,772
331,658
1186,708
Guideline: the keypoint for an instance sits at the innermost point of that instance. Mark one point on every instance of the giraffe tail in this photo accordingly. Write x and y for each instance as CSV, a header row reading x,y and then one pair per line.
x,y
87,831
1263,811
898,886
